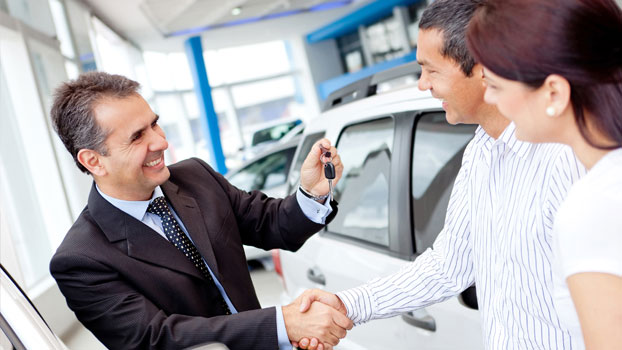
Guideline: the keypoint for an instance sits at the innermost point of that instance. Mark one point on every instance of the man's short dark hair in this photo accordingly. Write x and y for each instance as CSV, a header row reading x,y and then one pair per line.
x,y
72,111
451,18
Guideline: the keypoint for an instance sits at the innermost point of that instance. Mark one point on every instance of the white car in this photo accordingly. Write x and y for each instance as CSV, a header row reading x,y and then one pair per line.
x,y
23,328
401,158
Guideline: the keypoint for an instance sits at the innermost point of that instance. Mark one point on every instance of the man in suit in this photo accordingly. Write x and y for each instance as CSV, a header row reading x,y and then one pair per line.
x,y
155,260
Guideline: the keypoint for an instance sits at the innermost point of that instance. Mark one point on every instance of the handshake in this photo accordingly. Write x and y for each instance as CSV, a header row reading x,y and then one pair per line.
x,y
316,320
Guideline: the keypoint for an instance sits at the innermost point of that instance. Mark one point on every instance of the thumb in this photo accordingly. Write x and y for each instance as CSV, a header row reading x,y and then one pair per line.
x,y
305,302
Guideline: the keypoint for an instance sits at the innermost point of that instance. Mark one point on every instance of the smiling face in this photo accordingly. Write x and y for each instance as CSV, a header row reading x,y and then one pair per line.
x,y
462,96
527,107
134,165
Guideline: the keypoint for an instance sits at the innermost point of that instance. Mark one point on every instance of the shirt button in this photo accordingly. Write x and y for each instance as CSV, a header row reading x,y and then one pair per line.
x,y
318,211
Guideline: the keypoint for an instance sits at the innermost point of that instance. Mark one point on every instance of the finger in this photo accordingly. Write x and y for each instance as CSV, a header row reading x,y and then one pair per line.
x,y
331,340
303,343
325,143
338,332
313,344
295,344
305,302
320,346
342,321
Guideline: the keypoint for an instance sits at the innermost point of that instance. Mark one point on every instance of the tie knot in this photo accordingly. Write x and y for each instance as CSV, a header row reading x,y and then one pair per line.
x,y
158,206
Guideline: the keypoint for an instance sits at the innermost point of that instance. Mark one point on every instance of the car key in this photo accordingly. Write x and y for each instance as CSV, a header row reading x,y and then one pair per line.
x,y
329,170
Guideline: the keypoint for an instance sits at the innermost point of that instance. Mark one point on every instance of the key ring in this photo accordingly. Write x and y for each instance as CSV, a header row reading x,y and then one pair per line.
x,y
325,155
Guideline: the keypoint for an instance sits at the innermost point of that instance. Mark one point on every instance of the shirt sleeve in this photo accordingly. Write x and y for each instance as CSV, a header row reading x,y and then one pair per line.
x,y
281,331
436,275
313,210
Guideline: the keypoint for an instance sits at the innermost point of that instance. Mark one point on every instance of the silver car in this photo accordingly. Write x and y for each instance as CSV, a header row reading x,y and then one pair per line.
x,y
400,160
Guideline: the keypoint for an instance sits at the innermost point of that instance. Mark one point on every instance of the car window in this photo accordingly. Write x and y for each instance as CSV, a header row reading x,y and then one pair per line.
x,y
264,173
305,148
436,159
363,191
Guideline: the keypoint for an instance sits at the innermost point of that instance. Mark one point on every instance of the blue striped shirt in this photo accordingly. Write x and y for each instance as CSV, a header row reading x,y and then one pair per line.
x,y
497,234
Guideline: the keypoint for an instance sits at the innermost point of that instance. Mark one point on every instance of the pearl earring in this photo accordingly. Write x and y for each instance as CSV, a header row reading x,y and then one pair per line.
x,y
550,111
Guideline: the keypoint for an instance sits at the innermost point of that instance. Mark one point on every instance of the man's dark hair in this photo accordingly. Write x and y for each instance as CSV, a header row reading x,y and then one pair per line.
x,y
72,111
451,18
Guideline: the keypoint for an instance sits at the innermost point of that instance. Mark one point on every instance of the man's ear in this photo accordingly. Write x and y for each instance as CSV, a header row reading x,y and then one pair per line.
x,y
91,160
478,71
556,91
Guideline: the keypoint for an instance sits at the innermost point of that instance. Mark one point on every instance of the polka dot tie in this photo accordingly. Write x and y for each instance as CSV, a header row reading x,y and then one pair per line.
x,y
175,235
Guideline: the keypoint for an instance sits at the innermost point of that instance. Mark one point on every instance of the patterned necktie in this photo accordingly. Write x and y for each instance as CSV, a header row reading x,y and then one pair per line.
x,y
175,235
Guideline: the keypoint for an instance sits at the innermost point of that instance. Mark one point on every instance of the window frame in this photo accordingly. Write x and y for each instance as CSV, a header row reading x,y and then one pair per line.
x,y
400,245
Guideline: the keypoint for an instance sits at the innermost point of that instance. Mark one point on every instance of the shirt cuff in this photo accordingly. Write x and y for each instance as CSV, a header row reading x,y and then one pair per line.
x,y
358,303
313,210
281,331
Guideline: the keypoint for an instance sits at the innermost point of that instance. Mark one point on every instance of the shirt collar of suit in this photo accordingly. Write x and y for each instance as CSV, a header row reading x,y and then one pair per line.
x,y
135,209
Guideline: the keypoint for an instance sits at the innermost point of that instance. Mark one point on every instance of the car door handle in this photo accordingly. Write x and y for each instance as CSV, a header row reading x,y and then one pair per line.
x,y
315,275
420,319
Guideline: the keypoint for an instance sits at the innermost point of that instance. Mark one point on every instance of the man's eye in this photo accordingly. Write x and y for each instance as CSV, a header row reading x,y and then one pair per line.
x,y
137,137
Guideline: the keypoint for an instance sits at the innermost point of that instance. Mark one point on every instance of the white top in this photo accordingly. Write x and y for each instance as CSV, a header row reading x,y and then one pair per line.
x,y
498,234
588,233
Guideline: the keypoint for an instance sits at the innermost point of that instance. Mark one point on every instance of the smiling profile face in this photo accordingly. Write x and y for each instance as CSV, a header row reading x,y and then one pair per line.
x,y
527,106
462,95
134,165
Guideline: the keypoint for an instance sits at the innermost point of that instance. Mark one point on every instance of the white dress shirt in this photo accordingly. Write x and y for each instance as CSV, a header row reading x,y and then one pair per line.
x,y
588,234
497,234
313,210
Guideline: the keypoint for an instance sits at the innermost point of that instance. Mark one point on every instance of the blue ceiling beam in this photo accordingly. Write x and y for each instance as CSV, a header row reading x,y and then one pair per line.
x,y
365,15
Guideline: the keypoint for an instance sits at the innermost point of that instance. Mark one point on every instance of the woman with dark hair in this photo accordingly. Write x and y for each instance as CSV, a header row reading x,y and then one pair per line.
x,y
554,67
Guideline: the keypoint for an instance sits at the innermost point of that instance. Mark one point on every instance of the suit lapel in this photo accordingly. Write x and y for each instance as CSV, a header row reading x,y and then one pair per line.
x,y
188,211
143,243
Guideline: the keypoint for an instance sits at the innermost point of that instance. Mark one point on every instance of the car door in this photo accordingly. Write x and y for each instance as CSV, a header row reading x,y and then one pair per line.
x,y
396,166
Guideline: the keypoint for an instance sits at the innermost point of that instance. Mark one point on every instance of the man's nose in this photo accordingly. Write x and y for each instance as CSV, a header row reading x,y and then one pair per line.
x,y
158,141
424,83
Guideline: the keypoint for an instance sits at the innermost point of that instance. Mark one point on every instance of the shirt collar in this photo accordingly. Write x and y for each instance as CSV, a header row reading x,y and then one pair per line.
x,y
508,137
135,209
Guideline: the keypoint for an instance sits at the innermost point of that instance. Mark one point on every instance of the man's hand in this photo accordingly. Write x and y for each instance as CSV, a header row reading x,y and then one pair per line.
x,y
306,299
312,172
320,321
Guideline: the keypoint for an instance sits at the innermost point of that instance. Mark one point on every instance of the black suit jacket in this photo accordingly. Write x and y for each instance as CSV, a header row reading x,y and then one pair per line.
x,y
133,289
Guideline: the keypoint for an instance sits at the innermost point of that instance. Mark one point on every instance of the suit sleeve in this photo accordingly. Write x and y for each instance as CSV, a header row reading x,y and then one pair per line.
x,y
268,222
122,318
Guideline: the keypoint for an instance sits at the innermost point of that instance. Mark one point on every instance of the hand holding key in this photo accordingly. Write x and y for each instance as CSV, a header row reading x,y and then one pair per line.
x,y
322,163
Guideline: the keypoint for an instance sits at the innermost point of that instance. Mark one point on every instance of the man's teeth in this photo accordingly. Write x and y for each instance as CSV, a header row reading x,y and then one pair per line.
x,y
153,163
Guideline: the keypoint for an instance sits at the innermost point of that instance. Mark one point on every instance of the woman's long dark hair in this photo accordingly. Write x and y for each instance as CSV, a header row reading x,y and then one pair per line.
x,y
581,40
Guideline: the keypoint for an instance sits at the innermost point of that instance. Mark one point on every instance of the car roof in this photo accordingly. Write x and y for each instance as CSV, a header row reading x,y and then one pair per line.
x,y
404,99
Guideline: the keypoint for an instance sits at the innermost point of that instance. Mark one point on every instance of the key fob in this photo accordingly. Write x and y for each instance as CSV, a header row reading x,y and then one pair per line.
x,y
329,171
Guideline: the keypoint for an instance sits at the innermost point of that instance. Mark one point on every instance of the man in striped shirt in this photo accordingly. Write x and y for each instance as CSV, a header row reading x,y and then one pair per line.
x,y
499,222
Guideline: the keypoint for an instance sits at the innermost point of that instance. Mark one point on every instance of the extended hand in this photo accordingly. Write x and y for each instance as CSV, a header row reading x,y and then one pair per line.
x,y
319,321
306,299
312,172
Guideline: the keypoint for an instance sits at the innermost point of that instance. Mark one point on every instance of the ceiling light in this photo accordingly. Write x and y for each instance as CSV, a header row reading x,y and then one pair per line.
x,y
236,11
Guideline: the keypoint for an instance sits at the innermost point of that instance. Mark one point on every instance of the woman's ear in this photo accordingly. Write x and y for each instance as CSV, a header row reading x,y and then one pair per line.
x,y
556,91
91,160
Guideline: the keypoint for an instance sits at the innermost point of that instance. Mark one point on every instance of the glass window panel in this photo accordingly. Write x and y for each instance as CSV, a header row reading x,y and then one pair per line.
x,y
160,77
178,65
437,157
305,148
62,28
263,91
363,191
72,69
265,173
247,62
192,105
35,13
